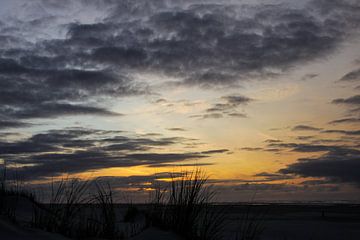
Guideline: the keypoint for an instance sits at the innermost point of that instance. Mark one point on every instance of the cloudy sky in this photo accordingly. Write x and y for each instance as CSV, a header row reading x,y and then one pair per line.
x,y
263,95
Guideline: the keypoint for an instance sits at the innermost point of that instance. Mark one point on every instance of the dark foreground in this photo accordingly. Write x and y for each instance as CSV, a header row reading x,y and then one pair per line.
x,y
293,221
283,221
274,222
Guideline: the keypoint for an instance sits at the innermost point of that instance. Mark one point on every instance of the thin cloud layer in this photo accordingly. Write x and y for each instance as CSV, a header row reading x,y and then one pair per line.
x,y
305,128
79,150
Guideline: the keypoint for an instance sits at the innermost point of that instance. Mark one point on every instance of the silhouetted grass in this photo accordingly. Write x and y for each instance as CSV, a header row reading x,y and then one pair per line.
x,y
74,212
61,215
186,207
11,191
104,199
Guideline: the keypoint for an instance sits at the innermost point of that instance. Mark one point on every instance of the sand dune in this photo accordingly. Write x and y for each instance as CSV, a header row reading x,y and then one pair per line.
x,y
9,231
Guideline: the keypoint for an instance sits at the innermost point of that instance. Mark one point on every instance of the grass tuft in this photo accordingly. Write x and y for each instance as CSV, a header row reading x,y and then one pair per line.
x,y
186,207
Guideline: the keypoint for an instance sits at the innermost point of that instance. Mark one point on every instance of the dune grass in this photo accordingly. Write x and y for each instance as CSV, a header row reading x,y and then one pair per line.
x,y
61,213
11,190
104,198
83,209
186,207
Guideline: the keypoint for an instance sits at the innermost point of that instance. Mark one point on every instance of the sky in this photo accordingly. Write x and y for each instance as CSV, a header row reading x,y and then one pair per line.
x,y
262,95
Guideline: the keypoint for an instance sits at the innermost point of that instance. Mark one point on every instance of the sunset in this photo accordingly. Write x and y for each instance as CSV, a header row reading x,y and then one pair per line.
x,y
262,97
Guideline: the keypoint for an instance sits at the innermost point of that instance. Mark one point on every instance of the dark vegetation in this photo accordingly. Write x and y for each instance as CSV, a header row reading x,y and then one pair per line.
x,y
186,208
11,191
86,209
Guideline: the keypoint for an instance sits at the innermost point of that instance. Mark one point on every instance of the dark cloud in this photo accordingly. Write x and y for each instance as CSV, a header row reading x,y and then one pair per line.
x,y
215,151
309,76
78,150
310,147
304,138
305,128
351,76
13,124
160,165
203,44
236,100
44,93
138,181
134,183
55,110
273,141
354,100
345,121
255,149
273,176
254,187
353,106
274,150
345,132
208,116
227,107
336,159
238,115
316,182
337,166
338,8
176,129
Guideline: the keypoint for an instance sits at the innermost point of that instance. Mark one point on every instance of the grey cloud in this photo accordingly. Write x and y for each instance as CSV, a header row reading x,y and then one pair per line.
x,y
273,141
305,128
354,100
227,107
176,129
345,132
275,150
309,147
208,116
44,93
236,100
273,176
160,165
55,110
251,149
215,151
203,44
206,44
266,187
78,150
304,138
238,115
13,124
351,76
338,8
316,182
309,76
345,120
337,167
